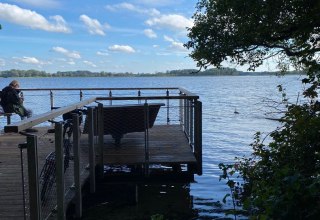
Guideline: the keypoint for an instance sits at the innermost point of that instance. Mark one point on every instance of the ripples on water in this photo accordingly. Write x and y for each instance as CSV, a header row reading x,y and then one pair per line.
x,y
225,136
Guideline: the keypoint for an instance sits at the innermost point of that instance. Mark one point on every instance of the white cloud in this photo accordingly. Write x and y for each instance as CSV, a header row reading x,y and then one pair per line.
x,y
169,39
89,63
178,46
71,62
2,62
28,60
122,48
71,54
31,19
42,3
175,45
102,53
150,33
157,2
93,25
171,21
131,7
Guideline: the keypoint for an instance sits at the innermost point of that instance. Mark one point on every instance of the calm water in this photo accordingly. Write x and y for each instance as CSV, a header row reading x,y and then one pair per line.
x,y
225,135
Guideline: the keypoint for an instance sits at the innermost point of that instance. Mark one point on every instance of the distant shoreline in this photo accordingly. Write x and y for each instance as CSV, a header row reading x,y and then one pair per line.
x,y
172,73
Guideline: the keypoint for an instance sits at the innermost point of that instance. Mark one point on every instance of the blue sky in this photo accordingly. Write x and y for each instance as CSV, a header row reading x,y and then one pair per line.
x,y
139,36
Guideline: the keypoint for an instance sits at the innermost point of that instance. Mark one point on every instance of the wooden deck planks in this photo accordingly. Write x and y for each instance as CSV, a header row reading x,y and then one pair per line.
x,y
167,145
11,205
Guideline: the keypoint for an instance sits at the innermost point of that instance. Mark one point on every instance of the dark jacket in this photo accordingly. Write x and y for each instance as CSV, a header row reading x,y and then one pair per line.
x,y
10,99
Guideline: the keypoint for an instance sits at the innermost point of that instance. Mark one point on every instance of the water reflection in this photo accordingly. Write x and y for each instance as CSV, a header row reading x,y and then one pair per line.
x,y
137,200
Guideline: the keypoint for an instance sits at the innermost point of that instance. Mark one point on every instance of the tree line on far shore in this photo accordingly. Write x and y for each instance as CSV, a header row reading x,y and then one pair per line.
x,y
181,72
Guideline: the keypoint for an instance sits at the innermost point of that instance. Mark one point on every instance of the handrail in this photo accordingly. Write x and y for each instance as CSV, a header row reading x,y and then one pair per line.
x,y
35,120
19,126
181,89
128,88
146,97
187,93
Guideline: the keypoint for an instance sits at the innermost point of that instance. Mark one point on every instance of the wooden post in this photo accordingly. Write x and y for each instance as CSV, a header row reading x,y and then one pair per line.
x,y
59,171
76,167
100,137
34,192
91,151
198,135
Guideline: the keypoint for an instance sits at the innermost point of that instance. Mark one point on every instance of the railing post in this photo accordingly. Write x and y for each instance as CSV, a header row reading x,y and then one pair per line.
x,y
60,171
51,99
110,95
21,147
180,109
34,193
192,102
139,95
100,137
81,95
168,105
187,122
8,118
198,135
76,167
146,138
91,150
184,114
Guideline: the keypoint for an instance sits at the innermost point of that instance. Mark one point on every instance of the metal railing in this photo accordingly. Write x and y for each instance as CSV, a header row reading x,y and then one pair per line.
x,y
181,107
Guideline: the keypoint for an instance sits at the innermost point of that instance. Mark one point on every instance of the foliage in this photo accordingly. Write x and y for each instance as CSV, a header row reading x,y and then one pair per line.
x,y
157,217
248,32
281,179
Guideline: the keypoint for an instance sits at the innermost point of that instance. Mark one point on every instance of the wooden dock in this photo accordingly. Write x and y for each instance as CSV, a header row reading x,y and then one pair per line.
x,y
167,146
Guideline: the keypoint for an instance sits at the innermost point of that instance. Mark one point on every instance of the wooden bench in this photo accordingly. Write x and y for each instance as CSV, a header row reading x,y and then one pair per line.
x,y
122,119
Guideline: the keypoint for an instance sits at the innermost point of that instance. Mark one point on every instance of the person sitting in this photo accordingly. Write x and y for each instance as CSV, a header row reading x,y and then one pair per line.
x,y
12,100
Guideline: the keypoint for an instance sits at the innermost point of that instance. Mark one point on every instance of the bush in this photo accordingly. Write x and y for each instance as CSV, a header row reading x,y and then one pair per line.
x,y
281,180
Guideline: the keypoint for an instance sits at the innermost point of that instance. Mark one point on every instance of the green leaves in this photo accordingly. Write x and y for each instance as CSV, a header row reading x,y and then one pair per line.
x,y
281,179
249,32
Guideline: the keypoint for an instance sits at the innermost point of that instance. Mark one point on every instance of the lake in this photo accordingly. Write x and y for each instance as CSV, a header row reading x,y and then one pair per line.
x,y
225,136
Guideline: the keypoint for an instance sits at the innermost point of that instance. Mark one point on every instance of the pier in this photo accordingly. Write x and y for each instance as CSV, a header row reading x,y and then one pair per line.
x,y
171,143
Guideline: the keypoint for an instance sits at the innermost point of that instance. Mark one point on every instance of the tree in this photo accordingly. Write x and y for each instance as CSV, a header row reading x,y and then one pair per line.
x,y
281,179
249,32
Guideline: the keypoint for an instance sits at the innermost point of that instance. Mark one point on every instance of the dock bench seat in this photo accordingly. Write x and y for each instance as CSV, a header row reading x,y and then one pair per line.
x,y
122,119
